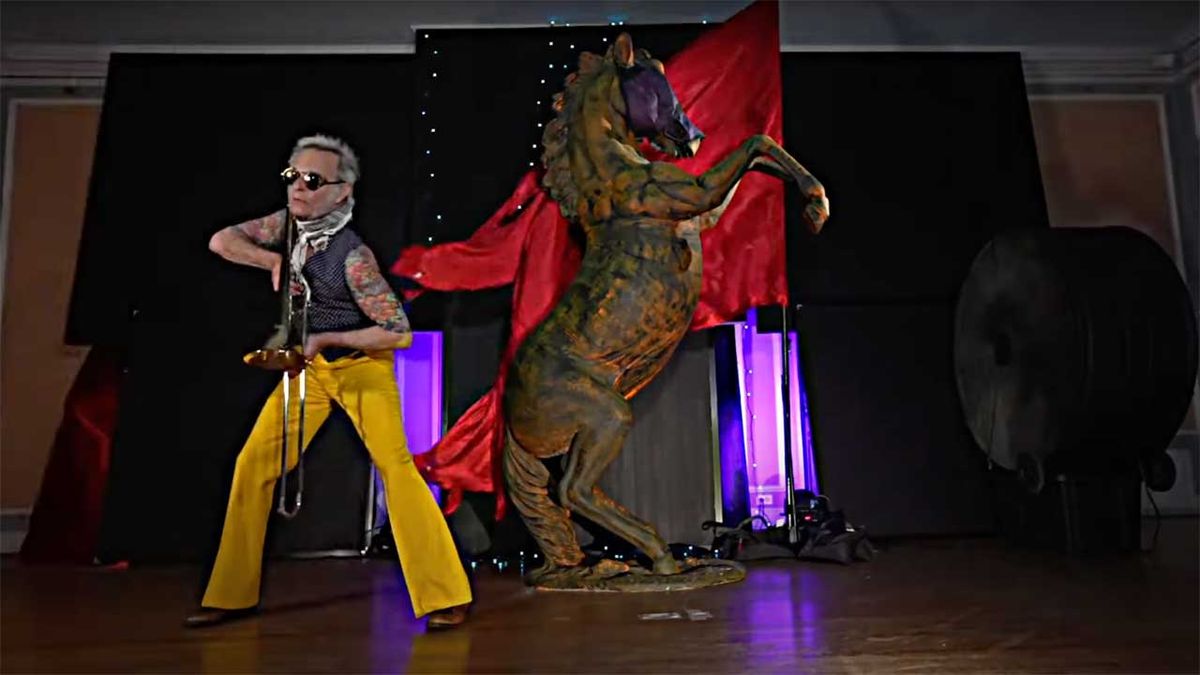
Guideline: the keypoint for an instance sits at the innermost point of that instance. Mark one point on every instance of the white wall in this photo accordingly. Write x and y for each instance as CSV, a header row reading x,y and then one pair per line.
x,y
1062,24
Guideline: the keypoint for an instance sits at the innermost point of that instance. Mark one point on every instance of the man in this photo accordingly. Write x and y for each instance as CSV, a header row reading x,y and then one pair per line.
x,y
355,321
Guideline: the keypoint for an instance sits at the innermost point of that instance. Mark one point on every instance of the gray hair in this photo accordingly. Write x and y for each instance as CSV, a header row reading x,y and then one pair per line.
x,y
347,160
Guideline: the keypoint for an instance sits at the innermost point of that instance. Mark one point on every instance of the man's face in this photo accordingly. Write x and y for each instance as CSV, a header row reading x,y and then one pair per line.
x,y
308,204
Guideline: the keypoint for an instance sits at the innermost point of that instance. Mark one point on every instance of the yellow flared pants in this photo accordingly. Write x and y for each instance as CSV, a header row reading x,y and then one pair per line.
x,y
365,387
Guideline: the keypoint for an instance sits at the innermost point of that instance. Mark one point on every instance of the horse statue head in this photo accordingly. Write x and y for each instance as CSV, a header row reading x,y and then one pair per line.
x,y
651,108
591,148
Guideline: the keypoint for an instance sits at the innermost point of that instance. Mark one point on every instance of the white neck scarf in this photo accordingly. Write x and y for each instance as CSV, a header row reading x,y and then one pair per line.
x,y
317,233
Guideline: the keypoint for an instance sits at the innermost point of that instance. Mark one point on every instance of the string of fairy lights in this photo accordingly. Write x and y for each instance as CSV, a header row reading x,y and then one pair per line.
x,y
427,123
558,68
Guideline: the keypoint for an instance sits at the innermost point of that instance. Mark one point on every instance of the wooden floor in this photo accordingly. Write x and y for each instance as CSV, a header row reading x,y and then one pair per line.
x,y
942,606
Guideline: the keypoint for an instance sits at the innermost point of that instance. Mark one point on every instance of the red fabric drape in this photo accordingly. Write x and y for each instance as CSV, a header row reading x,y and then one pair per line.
x,y
65,524
526,243
728,81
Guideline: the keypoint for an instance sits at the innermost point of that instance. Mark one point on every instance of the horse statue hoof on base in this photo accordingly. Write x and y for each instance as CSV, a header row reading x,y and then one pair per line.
x,y
614,576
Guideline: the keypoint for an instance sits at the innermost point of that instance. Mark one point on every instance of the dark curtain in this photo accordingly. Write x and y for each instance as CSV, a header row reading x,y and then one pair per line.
x,y
926,157
189,144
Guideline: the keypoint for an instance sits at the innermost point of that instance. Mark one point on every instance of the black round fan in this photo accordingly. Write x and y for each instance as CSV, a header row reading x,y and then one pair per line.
x,y
1075,347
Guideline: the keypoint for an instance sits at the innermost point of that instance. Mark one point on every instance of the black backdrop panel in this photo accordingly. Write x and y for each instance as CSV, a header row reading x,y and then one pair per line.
x,y
891,444
481,95
925,157
187,145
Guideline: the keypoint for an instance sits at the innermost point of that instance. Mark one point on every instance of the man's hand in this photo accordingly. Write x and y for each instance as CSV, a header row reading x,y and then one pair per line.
x,y
315,343
275,270
370,339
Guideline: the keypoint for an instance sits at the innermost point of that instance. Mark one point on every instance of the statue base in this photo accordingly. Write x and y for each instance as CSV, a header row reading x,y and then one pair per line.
x,y
617,577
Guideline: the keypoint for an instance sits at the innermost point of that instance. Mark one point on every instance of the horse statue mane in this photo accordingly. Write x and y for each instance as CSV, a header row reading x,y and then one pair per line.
x,y
619,322
568,105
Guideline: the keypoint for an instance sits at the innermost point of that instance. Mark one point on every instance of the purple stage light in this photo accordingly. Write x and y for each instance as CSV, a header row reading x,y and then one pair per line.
x,y
418,372
419,379
760,361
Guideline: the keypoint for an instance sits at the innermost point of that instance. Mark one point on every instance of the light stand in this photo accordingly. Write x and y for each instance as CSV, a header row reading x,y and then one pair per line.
x,y
771,319
789,470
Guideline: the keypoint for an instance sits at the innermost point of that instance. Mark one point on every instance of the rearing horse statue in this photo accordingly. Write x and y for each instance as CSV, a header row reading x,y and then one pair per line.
x,y
620,320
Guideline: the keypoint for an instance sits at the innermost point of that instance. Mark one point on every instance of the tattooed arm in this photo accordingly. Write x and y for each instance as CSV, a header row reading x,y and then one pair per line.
x,y
377,301
245,243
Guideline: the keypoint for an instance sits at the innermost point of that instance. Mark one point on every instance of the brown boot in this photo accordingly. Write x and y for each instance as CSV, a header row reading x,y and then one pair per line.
x,y
447,618
211,616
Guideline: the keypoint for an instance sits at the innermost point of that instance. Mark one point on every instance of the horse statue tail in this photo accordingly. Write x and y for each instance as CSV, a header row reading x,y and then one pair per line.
x,y
548,522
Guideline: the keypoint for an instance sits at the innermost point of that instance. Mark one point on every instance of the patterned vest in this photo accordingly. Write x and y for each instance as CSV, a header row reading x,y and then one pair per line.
x,y
332,307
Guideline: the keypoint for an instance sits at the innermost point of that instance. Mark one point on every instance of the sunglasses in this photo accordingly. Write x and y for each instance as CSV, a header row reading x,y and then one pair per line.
x,y
312,181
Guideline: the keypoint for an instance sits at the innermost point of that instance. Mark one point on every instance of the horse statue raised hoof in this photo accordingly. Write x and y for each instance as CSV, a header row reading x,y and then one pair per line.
x,y
620,320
